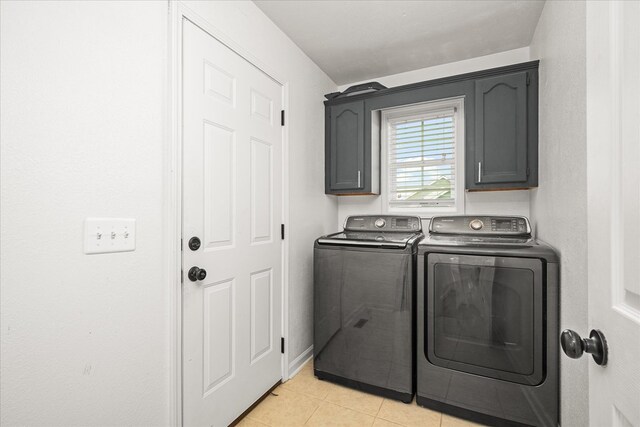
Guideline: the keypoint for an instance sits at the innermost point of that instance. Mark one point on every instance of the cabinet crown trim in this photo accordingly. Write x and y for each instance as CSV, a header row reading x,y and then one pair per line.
x,y
474,75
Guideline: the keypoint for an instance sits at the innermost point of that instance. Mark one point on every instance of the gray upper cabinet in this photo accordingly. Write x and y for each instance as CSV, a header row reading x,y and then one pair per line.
x,y
501,129
504,150
345,162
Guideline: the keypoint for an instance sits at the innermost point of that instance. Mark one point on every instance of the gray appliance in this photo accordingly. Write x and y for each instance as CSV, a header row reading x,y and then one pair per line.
x,y
488,321
364,298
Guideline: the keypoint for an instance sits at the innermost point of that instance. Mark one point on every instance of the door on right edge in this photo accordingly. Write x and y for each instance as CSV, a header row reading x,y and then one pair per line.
x,y
613,185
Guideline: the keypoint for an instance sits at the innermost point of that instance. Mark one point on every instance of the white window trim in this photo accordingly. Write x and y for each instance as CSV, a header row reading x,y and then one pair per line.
x,y
416,109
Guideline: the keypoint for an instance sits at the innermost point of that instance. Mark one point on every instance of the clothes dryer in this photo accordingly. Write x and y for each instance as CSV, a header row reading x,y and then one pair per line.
x,y
487,323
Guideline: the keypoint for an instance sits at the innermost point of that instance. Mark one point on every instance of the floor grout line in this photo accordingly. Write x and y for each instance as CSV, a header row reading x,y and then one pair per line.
x,y
320,400
311,416
356,410
350,409
392,422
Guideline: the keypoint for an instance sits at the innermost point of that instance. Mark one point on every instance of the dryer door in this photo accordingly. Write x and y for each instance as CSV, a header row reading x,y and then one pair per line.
x,y
485,316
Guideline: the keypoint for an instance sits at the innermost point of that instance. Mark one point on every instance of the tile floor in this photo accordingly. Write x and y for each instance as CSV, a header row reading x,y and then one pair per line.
x,y
305,400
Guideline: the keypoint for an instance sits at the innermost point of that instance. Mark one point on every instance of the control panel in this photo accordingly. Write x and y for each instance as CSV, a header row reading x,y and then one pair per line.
x,y
484,225
383,223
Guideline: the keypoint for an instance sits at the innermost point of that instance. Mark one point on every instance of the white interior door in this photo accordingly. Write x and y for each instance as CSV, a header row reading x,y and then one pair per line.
x,y
232,201
613,168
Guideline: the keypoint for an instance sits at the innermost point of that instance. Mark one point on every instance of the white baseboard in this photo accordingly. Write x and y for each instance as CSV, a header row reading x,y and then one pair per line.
x,y
298,362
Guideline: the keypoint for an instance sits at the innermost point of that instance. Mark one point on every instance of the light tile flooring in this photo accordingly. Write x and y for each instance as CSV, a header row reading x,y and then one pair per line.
x,y
305,400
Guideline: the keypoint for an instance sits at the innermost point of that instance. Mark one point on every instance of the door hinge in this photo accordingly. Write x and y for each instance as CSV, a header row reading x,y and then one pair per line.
x,y
282,345
528,171
181,276
528,79
282,117
282,231
180,244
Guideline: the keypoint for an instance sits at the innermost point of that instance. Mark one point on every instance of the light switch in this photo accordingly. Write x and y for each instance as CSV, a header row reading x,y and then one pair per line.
x,y
105,235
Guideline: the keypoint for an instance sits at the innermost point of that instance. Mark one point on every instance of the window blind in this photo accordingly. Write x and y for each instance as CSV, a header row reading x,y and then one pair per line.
x,y
422,159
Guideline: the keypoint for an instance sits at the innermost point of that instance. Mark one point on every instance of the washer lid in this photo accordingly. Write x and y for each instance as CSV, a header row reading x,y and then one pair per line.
x,y
373,239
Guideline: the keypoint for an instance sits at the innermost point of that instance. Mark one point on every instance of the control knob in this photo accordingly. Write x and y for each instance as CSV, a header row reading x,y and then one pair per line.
x,y
380,223
476,224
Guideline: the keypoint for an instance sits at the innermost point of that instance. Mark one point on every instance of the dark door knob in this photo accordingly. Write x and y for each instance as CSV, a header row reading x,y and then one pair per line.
x,y
196,274
194,243
574,346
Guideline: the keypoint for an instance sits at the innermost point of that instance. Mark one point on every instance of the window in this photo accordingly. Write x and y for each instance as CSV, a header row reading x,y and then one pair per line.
x,y
423,146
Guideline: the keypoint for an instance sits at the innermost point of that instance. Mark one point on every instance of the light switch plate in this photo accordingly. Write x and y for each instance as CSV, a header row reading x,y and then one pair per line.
x,y
106,235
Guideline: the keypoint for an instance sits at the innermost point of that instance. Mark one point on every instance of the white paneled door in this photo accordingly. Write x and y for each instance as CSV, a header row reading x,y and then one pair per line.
x,y
613,182
232,203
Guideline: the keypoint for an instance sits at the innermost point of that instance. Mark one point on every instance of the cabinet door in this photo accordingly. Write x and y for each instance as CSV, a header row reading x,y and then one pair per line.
x,y
501,129
347,146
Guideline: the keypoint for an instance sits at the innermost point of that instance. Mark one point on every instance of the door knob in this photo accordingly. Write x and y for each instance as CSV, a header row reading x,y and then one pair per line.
x,y
196,274
574,346
194,243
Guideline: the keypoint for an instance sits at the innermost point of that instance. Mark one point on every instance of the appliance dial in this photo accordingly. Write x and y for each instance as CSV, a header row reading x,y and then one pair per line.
x,y
380,223
476,224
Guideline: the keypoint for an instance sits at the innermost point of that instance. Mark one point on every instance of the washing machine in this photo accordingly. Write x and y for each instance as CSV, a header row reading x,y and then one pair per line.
x,y
364,305
487,325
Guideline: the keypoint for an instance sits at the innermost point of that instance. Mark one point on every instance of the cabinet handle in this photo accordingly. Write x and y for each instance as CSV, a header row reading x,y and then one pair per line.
x,y
479,171
358,179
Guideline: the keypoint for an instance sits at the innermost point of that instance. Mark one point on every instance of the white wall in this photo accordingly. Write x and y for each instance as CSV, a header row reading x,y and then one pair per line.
x,y
85,339
559,205
479,63
493,202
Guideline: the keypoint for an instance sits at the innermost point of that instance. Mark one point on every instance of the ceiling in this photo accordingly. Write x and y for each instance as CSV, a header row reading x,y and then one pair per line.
x,y
356,40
